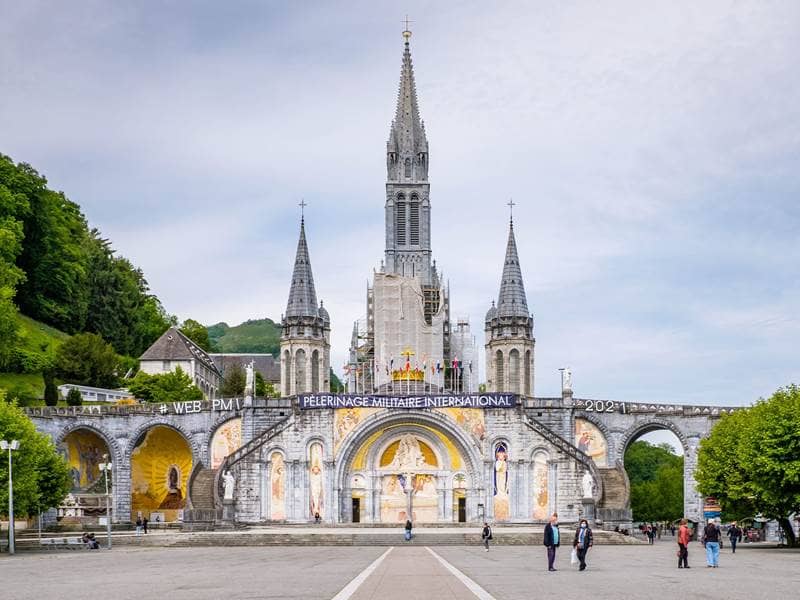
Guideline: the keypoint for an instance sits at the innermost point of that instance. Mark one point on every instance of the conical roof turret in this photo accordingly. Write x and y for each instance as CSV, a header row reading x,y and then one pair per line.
x,y
302,295
511,302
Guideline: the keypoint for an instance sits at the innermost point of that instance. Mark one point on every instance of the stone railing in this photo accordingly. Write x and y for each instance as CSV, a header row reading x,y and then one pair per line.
x,y
568,449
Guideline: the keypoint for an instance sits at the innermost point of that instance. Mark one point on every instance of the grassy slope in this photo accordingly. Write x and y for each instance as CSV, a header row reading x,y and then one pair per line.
x,y
34,337
257,335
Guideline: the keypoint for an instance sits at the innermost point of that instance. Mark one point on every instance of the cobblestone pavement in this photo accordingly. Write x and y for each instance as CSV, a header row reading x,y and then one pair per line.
x,y
503,573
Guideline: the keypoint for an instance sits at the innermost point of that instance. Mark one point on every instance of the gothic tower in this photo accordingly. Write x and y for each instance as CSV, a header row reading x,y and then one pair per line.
x,y
509,331
305,335
408,213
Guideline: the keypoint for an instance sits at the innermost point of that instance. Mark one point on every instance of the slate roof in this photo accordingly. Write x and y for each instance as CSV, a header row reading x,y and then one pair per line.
x,y
266,364
174,345
302,295
511,302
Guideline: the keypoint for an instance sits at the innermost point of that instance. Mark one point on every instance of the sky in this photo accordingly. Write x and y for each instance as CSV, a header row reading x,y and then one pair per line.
x,y
652,151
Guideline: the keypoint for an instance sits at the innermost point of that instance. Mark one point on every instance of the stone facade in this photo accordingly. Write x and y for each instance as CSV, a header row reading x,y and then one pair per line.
x,y
538,426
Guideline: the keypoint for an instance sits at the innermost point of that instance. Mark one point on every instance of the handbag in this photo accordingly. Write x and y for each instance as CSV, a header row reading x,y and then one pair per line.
x,y
573,558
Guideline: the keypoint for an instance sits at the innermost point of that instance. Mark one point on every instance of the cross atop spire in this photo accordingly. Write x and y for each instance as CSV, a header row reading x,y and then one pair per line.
x,y
511,205
407,30
302,204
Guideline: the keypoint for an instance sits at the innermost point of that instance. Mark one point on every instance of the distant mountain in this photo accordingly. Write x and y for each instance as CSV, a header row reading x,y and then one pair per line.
x,y
256,335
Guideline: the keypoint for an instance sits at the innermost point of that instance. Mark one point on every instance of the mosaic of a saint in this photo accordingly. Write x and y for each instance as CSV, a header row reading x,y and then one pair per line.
x,y
501,504
315,480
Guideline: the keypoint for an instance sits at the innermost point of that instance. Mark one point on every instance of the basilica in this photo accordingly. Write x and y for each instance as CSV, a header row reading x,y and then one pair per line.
x,y
415,437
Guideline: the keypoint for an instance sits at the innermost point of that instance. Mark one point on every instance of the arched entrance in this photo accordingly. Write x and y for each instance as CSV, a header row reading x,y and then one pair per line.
x,y
653,454
409,465
160,466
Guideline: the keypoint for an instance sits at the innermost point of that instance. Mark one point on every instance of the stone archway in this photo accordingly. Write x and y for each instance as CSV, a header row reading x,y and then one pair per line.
x,y
370,451
161,460
689,452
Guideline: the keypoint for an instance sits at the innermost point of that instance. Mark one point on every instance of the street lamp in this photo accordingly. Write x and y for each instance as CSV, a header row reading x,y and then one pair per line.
x,y
105,467
12,445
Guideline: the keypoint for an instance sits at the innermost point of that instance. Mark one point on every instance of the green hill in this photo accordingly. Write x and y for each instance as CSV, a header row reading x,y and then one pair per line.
x,y
255,335
35,348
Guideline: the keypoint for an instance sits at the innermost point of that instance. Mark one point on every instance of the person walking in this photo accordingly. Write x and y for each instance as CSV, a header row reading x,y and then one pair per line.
x,y
144,524
551,541
408,530
683,545
735,535
582,542
486,535
711,539
138,526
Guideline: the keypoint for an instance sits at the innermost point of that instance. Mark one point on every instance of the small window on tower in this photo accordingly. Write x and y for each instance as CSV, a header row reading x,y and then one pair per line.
x,y
408,168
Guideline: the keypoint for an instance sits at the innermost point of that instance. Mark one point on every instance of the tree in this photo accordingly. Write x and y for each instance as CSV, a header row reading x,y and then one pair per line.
x,y
656,479
41,475
751,460
74,397
50,389
234,382
87,359
175,386
196,332
261,385
337,387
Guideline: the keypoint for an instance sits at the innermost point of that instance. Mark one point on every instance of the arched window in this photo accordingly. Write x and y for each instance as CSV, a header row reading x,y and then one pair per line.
x,y
414,221
287,373
499,380
315,371
408,167
400,220
300,372
513,371
528,366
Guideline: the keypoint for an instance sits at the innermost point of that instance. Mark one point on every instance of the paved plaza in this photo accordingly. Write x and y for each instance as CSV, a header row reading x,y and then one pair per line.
x,y
399,572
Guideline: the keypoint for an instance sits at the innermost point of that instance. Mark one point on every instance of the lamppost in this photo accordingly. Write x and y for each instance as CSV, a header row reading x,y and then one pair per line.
x,y
105,467
12,445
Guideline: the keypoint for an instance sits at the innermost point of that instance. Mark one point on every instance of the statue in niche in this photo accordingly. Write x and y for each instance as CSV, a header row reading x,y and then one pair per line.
x,y
229,481
588,485
174,497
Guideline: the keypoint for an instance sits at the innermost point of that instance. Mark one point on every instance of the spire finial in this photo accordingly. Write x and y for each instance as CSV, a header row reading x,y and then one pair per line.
x,y
511,205
407,30
302,204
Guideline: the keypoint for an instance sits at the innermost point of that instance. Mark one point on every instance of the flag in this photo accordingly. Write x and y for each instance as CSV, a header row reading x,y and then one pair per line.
x,y
408,363
455,362
438,367
470,366
391,363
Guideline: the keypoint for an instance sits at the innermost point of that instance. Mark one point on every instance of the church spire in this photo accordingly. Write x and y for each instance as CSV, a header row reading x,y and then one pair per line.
x,y
302,295
511,301
407,147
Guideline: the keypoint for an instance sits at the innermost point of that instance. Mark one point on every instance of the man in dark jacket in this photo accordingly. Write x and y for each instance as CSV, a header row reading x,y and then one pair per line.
x,y
551,541
583,541
735,535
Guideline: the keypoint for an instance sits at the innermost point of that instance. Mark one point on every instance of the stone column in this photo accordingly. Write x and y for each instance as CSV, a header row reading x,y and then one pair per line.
x,y
488,467
692,500
121,491
331,497
266,490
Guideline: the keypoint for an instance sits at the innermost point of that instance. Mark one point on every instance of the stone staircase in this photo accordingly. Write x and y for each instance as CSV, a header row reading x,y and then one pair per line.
x,y
614,507
203,513
331,537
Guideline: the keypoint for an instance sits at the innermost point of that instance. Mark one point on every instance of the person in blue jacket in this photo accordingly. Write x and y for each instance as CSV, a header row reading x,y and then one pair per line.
x,y
551,541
